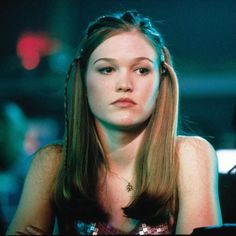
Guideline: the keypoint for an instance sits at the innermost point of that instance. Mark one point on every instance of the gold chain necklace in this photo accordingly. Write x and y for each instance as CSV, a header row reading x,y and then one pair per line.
x,y
129,186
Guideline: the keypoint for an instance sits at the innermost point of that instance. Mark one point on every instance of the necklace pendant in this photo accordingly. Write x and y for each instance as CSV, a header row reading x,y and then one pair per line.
x,y
129,187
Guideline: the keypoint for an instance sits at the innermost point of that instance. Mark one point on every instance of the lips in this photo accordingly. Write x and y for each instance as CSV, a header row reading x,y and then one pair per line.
x,y
124,102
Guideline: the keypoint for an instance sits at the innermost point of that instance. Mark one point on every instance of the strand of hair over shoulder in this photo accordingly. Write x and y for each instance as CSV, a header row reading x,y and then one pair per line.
x,y
68,75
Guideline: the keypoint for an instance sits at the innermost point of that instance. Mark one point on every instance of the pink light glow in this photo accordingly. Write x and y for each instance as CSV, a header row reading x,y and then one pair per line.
x,y
32,46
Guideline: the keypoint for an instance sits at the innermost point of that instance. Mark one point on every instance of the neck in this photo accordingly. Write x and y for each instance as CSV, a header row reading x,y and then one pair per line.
x,y
120,146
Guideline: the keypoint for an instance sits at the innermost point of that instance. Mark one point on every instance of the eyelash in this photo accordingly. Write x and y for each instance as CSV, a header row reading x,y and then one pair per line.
x,y
146,71
108,69
104,71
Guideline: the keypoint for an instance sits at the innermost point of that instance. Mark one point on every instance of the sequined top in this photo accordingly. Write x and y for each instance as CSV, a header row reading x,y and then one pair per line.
x,y
107,229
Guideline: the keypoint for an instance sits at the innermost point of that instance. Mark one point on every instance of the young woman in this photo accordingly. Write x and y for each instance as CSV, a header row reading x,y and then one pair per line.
x,y
122,168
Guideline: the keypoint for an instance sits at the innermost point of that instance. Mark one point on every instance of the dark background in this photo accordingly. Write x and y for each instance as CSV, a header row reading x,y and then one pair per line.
x,y
200,35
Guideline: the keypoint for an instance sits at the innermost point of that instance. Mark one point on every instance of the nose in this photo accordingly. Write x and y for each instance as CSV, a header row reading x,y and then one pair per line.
x,y
124,83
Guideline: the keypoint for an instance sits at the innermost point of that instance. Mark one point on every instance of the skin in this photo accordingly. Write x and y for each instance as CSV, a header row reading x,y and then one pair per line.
x,y
120,131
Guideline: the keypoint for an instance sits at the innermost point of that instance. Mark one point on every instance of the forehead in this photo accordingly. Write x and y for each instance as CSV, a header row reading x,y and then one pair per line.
x,y
125,45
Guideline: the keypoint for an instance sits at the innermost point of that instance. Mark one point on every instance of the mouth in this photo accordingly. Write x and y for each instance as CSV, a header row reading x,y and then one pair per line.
x,y
124,102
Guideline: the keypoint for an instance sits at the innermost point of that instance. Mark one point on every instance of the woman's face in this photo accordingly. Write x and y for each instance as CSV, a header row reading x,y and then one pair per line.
x,y
122,81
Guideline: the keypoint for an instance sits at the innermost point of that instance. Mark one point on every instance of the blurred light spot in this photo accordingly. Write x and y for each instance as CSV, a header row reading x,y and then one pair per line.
x,y
30,61
32,46
60,60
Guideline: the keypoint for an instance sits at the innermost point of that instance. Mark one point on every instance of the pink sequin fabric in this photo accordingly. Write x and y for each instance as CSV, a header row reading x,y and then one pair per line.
x,y
106,229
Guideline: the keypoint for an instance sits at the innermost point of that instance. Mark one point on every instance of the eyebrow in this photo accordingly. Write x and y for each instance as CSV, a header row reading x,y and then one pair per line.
x,y
113,60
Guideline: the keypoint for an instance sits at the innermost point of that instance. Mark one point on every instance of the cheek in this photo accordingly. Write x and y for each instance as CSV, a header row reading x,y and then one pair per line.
x,y
96,91
150,94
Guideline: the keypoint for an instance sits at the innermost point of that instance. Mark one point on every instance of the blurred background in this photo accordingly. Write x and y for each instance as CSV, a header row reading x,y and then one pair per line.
x,y
39,39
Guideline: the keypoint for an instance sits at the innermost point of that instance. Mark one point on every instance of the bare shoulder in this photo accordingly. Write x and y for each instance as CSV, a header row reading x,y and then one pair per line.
x,y
48,157
44,169
192,142
195,150
198,167
197,184
198,170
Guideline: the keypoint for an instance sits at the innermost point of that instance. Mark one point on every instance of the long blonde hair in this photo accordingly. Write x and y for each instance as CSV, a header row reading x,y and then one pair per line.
x,y
156,164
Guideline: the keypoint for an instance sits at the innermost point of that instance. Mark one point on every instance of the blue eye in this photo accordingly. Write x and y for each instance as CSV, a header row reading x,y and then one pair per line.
x,y
142,71
106,70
